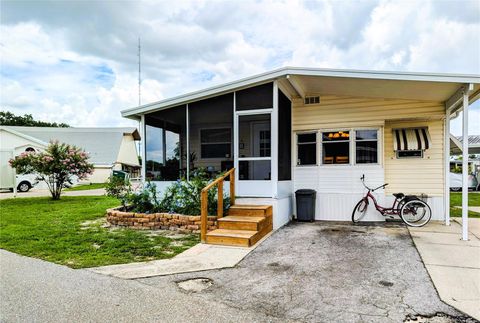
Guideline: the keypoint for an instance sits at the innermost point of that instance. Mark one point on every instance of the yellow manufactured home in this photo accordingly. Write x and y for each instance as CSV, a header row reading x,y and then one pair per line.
x,y
318,129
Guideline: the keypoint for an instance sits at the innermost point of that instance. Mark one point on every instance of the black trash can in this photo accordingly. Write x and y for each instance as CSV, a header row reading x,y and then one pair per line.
x,y
305,204
120,174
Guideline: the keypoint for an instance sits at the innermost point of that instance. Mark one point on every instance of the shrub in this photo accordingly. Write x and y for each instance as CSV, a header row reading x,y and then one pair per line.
x,y
144,201
56,166
184,197
119,188
181,197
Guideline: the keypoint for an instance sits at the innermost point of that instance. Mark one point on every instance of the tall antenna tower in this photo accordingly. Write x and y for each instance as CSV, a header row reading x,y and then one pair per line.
x,y
140,126
139,73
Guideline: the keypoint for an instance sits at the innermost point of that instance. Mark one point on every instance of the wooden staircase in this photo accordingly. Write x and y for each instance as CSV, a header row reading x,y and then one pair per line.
x,y
244,226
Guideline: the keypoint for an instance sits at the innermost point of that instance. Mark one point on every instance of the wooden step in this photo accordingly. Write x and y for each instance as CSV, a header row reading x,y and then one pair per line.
x,y
237,222
244,238
250,210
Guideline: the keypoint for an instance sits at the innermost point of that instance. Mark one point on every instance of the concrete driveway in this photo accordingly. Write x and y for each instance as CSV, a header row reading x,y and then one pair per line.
x,y
303,273
315,272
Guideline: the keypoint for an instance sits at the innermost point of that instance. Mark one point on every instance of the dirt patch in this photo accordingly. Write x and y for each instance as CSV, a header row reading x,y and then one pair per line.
x,y
195,285
93,223
175,235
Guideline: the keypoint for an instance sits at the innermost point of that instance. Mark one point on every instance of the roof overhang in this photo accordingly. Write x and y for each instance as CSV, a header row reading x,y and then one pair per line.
x,y
24,136
299,82
456,146
135,134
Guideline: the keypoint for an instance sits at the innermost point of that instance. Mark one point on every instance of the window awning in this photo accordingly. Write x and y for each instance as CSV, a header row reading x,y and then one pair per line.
x,y
411,139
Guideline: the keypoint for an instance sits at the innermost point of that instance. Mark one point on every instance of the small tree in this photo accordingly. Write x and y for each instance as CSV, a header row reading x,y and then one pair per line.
x,y
56,166
119,188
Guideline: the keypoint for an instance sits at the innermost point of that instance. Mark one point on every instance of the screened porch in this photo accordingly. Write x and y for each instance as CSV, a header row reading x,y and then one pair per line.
x,y
249,129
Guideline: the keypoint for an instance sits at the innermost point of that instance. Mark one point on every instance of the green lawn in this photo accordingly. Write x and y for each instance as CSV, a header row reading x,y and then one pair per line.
x,y
456,200
85,187
70,232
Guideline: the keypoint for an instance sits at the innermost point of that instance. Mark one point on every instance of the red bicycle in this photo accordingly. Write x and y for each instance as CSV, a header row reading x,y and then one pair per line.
x,y
412,210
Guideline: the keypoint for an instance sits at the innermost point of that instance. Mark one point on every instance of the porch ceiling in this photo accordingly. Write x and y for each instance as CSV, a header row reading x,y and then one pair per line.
x,y
376,88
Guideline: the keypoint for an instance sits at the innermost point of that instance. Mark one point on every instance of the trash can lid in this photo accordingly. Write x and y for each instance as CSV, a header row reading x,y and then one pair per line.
x,y
305,192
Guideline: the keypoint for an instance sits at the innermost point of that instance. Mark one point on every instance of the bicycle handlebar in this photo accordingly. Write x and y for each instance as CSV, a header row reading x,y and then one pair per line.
x,y
368,188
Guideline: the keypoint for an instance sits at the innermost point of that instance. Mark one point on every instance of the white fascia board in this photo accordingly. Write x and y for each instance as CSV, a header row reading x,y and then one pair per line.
x,y
283,72
203,94
103,165
22,135
386,75
454,101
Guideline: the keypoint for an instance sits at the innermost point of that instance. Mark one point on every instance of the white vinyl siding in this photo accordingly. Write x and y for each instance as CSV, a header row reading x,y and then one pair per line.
x,y
408,175
416,175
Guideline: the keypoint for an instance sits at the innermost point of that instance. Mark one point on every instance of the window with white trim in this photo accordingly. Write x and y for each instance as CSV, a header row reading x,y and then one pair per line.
x,y
366,146
307,148
336,147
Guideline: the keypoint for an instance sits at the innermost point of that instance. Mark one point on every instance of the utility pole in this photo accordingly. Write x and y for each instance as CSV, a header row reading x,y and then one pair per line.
x,y
141,125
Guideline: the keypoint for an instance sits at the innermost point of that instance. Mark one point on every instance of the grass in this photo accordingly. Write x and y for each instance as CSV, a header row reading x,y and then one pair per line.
x,y
456,200
85,187
71,232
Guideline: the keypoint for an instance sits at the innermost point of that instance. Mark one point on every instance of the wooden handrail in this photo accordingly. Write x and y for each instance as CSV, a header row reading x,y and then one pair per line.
x,y
204,200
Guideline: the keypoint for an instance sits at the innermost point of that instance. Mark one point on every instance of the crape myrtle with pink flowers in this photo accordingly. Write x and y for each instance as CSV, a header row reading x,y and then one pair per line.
x,y
56,166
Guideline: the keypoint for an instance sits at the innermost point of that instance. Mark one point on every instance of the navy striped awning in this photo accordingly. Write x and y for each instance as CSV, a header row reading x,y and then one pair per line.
x,y
411,139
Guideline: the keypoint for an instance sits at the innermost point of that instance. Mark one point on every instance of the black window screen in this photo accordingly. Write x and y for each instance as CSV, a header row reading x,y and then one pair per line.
x,y
307,149
284,138
258,97
366,146
165,141
215,143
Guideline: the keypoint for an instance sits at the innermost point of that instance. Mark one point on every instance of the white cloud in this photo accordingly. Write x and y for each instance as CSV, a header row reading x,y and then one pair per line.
x,y
66,63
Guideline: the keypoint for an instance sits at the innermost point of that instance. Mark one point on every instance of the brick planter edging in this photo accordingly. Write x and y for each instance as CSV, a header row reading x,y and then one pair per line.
x,y
155,221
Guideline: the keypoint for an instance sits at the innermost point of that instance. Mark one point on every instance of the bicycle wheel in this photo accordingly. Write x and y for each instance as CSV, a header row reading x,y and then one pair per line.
x,y
360,210
415,213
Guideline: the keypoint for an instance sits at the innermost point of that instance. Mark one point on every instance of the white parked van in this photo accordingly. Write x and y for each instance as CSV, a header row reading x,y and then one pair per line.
x,y
456,182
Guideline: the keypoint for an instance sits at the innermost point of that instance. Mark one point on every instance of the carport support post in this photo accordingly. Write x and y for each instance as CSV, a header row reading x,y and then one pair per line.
x,y
465,167
447,168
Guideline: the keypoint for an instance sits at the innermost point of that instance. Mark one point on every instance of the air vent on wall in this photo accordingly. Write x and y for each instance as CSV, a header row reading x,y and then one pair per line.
x,y
312,100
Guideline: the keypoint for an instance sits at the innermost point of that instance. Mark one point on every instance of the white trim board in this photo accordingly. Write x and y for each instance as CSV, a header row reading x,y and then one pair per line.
x,y
286,71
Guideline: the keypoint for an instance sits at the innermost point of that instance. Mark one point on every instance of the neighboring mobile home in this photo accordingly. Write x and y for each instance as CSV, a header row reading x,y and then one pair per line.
x,y
321,129
109,148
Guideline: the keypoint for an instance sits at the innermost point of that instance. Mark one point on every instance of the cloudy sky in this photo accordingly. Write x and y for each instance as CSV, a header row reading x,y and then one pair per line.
x,y
76,61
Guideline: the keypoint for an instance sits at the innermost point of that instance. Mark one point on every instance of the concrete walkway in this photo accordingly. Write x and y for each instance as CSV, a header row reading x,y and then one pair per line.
x,y
471,208
39,193
453,264
198,258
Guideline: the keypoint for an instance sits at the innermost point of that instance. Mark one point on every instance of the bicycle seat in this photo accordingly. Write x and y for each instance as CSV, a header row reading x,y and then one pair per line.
x,y
399,195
